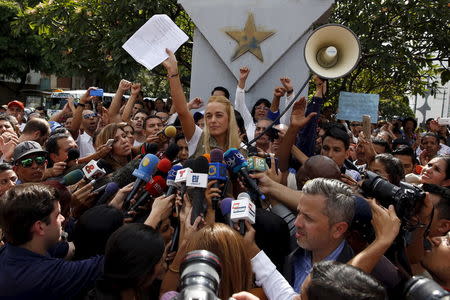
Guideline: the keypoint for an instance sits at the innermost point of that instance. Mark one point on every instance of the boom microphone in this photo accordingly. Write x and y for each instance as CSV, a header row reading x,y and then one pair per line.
x,y
237,163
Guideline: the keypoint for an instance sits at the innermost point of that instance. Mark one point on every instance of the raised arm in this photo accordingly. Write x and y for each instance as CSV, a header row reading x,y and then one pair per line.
x,y
77,116
113,111
277,94
178,97
298,121
239,100
386,225
135,89
287,84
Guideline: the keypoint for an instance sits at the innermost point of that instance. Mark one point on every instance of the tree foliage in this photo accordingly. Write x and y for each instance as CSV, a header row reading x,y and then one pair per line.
x,y
19,53
86,36
404,43
404,46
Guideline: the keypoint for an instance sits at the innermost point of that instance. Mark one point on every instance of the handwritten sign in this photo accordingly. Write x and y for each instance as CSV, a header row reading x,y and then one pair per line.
x,y
352,106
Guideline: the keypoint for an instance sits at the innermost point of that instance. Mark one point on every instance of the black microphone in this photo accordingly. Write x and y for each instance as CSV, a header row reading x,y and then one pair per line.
x,y
172,151
199,168
110,190
237,163
122,177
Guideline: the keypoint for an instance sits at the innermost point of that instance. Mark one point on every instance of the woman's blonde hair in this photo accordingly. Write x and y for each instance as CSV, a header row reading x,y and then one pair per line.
x,y
228,245
233,141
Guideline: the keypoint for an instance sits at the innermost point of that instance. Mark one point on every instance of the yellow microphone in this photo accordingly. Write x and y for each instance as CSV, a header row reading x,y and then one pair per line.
x,y
169,131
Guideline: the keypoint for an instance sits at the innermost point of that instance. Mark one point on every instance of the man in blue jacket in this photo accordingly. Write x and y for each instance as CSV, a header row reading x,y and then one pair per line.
x,y
31,221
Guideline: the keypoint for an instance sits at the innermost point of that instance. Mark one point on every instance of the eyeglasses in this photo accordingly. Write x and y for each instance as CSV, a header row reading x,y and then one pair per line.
x,y
28,162
88,116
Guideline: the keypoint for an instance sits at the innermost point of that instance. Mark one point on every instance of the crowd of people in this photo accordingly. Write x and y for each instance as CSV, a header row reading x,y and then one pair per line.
x,y
340,214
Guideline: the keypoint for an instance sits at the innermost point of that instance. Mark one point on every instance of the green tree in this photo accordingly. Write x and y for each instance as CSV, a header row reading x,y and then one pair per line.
x,y
404,46
19,53
86,36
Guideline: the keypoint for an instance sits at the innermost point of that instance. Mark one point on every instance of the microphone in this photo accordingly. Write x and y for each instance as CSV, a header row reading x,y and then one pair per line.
x,y
110,190
72,177
169,131
225,208
73,154
180,178
149,148
93,171
171,152
243,209
217,171
256,164
170,181
154,188
163,167
143,174
198,181
237,163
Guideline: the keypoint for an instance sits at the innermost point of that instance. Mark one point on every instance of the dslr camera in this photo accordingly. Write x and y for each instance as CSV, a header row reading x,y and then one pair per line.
x,y
406,198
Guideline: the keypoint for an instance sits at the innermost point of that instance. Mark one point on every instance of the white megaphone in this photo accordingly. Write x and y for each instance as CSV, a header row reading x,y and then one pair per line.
x,y
332,51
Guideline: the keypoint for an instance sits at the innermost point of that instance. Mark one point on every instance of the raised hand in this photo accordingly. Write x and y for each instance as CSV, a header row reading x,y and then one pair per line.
x,y
279,91
195,103
135,88
298,118
124,85
243,73
171,63
385,222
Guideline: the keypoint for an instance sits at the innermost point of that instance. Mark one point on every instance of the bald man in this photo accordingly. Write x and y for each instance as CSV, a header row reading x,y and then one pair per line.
x,y
315,167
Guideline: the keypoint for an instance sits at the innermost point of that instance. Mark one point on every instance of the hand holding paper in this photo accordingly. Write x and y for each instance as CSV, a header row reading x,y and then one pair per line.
x,y
148,45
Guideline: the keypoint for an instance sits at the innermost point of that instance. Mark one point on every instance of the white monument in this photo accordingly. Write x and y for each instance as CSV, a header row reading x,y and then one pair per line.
x,y
267,36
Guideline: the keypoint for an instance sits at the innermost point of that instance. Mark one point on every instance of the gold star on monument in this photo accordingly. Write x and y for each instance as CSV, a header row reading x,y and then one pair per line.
x,y
249,39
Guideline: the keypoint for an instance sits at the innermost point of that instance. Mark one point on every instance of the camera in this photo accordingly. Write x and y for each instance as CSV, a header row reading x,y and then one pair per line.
x,y
406,198
419,287
200,276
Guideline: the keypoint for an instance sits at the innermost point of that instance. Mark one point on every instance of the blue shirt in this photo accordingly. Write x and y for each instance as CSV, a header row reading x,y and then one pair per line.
x,y
303,265
28,275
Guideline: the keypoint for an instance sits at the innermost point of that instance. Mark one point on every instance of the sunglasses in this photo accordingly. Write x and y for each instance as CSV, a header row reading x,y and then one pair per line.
x,y
28,162
88,116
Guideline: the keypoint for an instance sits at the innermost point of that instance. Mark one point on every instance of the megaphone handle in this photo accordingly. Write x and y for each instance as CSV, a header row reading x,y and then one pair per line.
x,y
281,114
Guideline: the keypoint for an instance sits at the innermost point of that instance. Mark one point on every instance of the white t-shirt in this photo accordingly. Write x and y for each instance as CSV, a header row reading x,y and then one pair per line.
x,y
85,145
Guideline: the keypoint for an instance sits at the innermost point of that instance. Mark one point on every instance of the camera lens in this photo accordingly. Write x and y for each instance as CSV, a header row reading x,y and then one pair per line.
x,y
200,275
419,288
